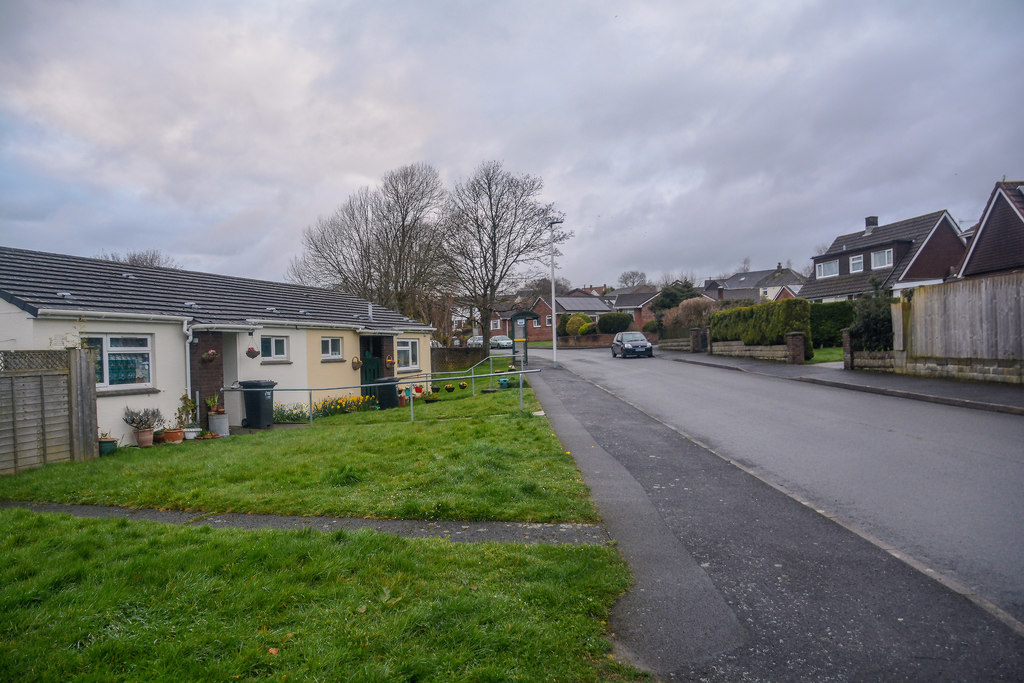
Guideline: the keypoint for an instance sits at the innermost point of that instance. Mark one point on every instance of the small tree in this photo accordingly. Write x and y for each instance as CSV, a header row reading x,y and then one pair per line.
x,y
872,330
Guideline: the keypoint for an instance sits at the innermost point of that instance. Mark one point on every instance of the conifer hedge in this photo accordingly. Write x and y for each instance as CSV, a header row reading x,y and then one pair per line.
x,y
765,324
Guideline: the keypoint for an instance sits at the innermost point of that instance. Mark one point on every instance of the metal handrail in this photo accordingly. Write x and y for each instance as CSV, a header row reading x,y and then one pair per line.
x,y
407,381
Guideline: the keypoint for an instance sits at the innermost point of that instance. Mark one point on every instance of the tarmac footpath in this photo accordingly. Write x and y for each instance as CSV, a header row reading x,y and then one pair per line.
x,y
734,580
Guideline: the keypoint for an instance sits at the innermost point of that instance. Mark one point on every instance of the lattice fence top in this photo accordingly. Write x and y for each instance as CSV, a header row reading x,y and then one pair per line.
x,y
15,361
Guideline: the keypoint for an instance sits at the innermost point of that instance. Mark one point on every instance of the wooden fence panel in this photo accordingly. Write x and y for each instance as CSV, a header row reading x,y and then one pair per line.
x,y
971,319
47,408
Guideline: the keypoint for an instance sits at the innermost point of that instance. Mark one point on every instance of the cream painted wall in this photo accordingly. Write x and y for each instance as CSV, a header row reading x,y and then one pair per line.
x,y
167,369
331,373
289,373
15,327
424,352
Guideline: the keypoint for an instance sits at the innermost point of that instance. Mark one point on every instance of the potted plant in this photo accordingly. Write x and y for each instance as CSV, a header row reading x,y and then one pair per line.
x,y
209,356
143,422
108,444
211,404
449,388
218,421
418,388
435,388
462,385
252,352
185,417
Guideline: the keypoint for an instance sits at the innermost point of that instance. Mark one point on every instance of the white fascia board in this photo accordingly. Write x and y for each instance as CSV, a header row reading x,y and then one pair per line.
x,y
302,324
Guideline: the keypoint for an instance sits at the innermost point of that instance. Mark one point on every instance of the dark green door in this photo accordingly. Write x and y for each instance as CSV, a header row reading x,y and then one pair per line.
x,y
370,372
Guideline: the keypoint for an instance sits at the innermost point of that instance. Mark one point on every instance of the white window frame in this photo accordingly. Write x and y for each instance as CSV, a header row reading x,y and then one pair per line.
x,y
330,344
274,355
104,351
819,270
407,351
884,262
496,323
859,261
547,321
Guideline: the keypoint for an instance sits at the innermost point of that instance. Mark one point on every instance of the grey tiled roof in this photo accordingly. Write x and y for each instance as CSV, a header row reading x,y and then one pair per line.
x,y
635,300
581,304
34,280
913,230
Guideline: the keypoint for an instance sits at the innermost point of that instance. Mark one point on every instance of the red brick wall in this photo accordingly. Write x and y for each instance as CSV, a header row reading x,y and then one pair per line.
x,y
207,376
543,332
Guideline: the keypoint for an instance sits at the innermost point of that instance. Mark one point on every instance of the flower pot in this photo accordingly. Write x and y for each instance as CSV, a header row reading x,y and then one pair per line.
x,y
449,389
219,424
503,381
173,435
401,400
144,437
252,352
108,446
191,433
158,436
435,390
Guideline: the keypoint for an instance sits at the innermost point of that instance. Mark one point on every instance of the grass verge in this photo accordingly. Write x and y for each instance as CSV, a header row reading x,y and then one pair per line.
x,y
116,600
827,355
464,458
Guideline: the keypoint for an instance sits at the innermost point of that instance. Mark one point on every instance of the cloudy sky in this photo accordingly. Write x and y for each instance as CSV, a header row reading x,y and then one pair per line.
x,y
676,136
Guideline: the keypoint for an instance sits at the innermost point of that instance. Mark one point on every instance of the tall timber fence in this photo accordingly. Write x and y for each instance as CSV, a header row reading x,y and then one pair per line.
x,y
47,408
971,329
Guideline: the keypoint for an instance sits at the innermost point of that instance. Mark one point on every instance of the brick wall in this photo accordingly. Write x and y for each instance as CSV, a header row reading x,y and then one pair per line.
x,y
207,376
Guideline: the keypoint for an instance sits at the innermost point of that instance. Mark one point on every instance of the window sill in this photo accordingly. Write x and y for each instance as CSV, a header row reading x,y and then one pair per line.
x,y
138,391
406,371
275,362
333,360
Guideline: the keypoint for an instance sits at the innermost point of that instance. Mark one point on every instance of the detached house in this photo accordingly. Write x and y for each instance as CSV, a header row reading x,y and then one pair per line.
x,y
162,332
540,328
756,285
902,255
997,244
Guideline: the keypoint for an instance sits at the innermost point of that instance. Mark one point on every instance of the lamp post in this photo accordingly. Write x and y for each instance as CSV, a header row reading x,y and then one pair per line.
x,y
554,318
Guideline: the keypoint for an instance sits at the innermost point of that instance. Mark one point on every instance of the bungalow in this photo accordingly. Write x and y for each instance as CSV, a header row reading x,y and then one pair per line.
x,y
540,328
997,244
902,255
637,304
756,285
160,333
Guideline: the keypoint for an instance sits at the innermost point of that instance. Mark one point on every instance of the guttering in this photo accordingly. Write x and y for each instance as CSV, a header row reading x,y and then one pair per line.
x,y
109,315
217,327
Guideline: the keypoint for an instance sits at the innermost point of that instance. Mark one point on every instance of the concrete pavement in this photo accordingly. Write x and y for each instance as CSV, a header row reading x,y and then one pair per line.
x,y
734,580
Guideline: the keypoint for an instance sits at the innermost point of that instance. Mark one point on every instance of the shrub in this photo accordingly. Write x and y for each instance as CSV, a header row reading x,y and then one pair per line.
x,y
563,320
576,321
692,313
828,321
765,324
299,412
588,328
872,330
650,327
612,323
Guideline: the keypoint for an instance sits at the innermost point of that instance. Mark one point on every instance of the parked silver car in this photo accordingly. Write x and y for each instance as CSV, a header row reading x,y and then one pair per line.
x,y
631,344
476,342
501,342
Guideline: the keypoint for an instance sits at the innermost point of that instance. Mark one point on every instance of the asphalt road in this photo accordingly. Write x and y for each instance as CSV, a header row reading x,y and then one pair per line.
x,y
939,484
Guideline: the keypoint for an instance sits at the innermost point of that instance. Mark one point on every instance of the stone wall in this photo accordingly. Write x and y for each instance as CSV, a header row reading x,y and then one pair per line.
x,y
791,352
684,345
586,341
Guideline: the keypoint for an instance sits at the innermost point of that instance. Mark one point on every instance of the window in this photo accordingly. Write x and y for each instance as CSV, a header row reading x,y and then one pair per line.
x,y
536,322
330,347
881,259
496,324
857,263
826,269
547,321
122,361
274,348
408,351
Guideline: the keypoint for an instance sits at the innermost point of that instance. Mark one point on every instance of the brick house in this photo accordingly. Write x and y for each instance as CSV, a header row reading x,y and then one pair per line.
x,y
538,329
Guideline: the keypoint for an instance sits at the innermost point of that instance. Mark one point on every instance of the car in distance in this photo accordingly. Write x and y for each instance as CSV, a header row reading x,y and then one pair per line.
x,y
475,342
631,344
501,342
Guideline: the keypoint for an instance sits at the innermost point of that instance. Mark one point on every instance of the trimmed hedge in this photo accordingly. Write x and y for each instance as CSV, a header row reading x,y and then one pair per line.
x,y
765,324
828,321
650,327
613,323
576,321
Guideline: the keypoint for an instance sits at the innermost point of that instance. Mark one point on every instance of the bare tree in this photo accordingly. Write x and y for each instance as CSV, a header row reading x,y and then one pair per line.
x,y
496,227
142,257
744,265
632,278
542,287
382,244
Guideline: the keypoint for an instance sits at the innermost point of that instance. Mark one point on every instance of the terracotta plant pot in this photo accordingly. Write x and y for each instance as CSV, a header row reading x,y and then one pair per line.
x,y
144,437
174,435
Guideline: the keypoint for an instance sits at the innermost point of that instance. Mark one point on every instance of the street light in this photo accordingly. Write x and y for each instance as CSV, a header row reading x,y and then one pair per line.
x,y
554,323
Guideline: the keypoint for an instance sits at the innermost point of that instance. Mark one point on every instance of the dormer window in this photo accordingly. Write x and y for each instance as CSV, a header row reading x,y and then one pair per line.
x,y
826,269
857,263
881,259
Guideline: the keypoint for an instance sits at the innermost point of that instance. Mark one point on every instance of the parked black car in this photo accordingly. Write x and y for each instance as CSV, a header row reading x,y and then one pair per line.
x,y
631,344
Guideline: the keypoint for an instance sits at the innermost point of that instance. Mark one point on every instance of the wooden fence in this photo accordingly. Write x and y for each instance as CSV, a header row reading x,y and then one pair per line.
x,y
47,408
980,318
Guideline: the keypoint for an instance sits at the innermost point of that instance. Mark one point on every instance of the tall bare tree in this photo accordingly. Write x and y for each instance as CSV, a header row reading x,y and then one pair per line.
x,y
382,244
141,257
496,227
632,278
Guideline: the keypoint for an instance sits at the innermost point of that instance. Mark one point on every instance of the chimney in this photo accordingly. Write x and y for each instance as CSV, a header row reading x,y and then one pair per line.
x,y
369,310
870,223
778,268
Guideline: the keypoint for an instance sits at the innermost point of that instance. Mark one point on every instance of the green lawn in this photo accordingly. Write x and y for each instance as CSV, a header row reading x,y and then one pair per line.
x,y
464,458
827,355
112,600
